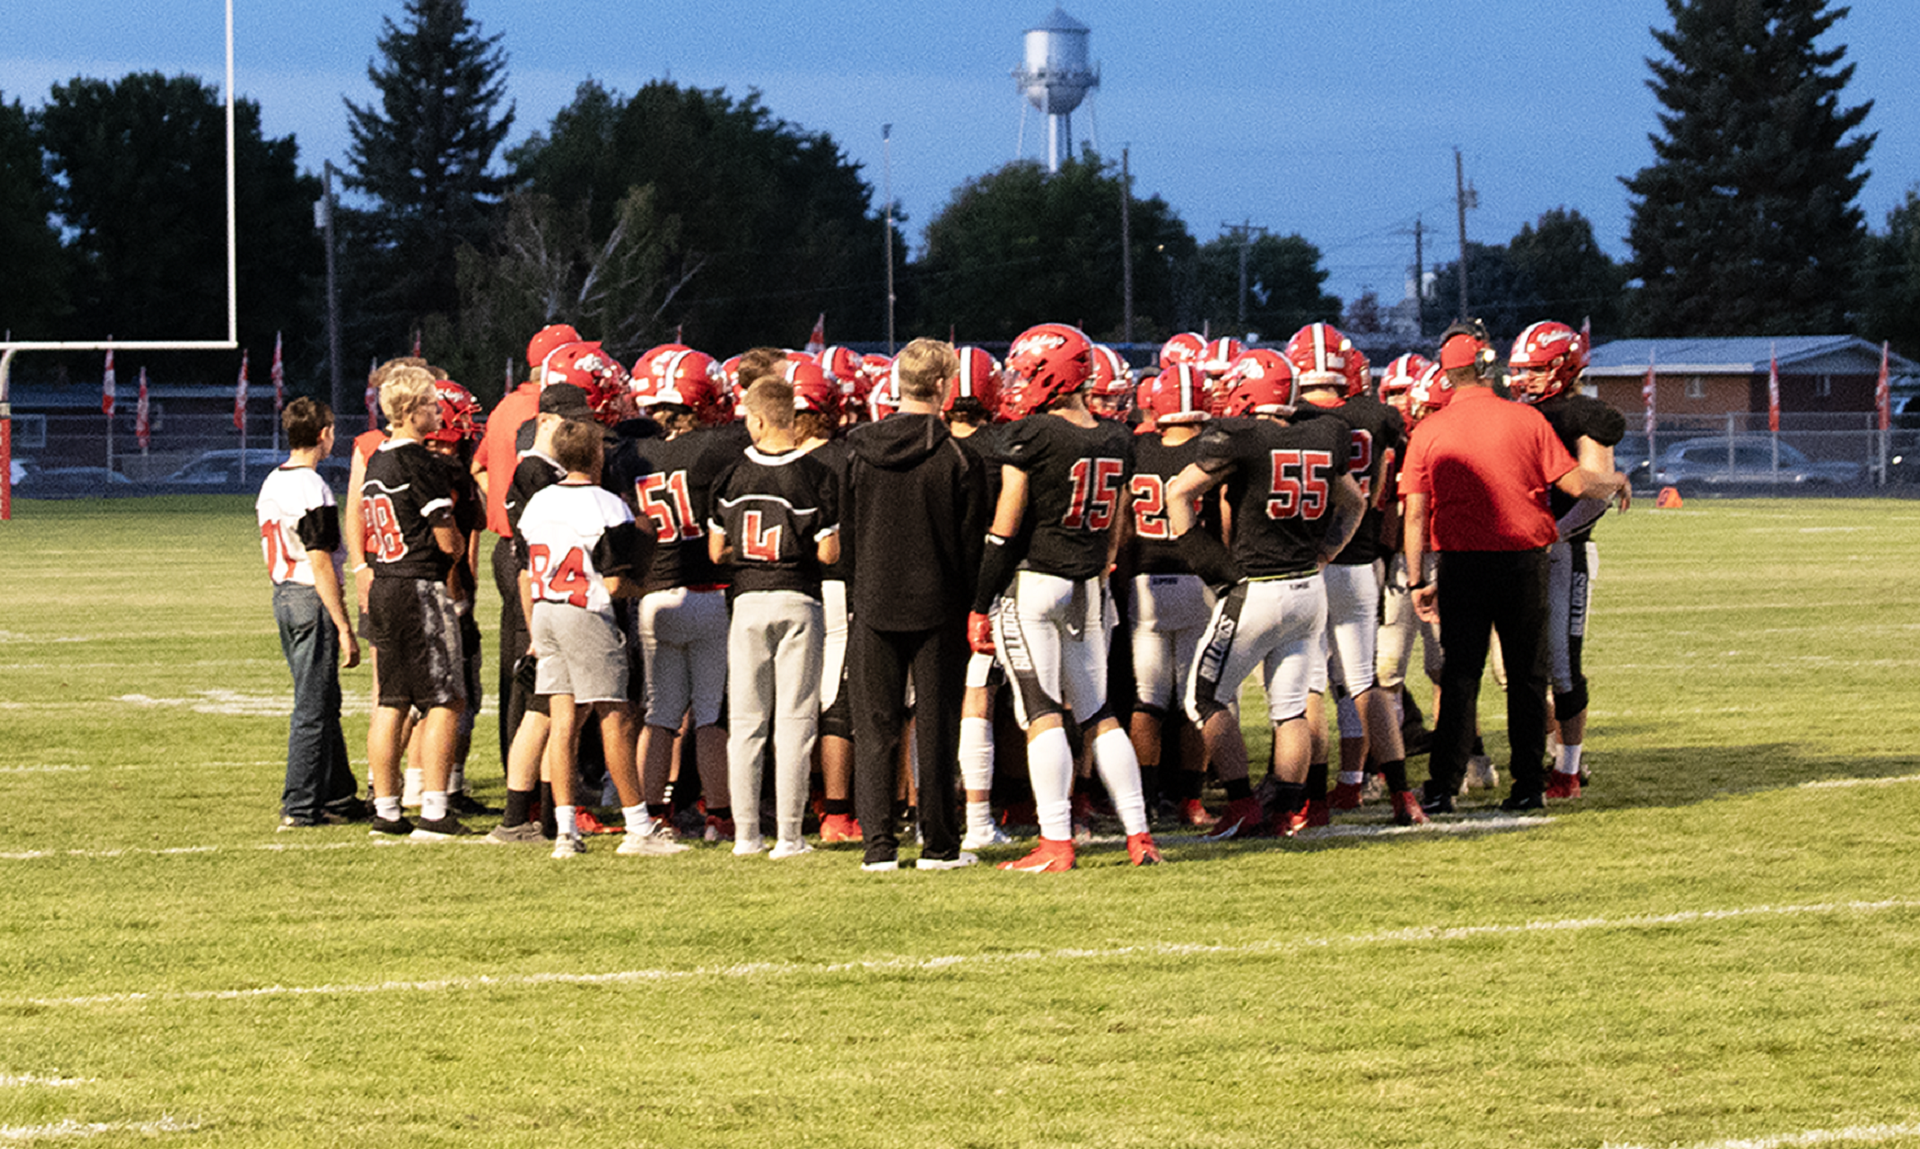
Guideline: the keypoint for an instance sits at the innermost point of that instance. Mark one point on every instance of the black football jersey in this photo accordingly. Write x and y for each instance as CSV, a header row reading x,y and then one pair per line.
x,y
670,485
833,456
1076,490
1572,415
1154,466
405,486
1374,429
775,509
1280,489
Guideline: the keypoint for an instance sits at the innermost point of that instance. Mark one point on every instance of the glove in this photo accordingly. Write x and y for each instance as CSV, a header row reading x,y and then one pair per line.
x,y
980,632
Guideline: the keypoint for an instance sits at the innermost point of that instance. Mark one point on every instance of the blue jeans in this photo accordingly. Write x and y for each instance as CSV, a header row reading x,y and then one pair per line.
x,y
318,775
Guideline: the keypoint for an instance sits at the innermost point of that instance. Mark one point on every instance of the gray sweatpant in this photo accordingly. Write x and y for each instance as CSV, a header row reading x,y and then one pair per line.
x,y
773,688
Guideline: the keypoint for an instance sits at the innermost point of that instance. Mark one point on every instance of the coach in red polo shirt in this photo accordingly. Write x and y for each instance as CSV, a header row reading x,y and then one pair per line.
x,y
1475,484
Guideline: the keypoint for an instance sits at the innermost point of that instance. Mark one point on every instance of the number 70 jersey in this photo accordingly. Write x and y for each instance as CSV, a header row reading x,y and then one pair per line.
x,y
1280,489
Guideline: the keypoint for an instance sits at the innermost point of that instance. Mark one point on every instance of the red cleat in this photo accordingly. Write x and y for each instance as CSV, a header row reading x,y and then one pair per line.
x,y
1288,823
1243,818
1317,813
1195,814
1348,795
585,823
1563,785
1407,811
1141,851
839,828
1051,856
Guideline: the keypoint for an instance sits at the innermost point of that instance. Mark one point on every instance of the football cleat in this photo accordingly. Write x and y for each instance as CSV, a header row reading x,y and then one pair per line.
x,y
985,836
1407,811
1051,856
585,822
1520,803
839,828
1289,823
719,829
569,846
1348,795
438,829
1317,813
1194,813
1243,818
1481,774
1141,851
1561,786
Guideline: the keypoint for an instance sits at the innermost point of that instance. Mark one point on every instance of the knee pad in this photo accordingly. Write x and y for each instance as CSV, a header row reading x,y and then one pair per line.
x,y
1570,703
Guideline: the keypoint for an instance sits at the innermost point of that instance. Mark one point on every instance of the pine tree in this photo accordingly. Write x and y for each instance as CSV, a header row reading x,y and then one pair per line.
x,y
1746,223
422,154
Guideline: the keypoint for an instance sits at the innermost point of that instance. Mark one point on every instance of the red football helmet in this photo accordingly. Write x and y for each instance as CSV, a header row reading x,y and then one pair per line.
x,y
1186,347
812,390
1430,392
979,379
1217,357
682,377
1547,359
1323,357
884,399
1181,393
1052,361
549,339
1398,379
730,372
460,416
841,364
1110,390
592,370
1261,382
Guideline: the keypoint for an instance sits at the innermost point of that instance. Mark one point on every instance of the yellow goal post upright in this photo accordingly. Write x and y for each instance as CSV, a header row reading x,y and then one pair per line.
x,y
9,349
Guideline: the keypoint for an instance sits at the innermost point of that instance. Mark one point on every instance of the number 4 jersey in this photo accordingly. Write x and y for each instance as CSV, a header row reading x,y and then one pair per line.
x,y
1280,491
576,535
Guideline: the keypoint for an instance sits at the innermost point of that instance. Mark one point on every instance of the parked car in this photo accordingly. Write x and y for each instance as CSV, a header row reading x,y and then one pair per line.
x,y
1745,465
1630,457
219,472
74,483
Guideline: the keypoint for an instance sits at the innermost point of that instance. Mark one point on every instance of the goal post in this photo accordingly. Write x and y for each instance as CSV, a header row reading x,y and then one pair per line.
x,y
8,349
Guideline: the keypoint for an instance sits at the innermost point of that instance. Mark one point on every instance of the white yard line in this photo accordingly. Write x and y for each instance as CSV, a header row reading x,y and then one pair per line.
x,y
24,1080
1154,951
72,1130
1848,783
1866,1134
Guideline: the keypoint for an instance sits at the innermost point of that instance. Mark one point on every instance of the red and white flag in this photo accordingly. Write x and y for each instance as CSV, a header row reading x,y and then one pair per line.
x,y
279,379
1646,397
142,418
817,342
240,397
106,388
373,396
1773,390
1882,392
416,343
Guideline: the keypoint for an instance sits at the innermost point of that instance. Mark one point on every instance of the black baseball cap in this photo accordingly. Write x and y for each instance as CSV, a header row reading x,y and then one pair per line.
x,y
566,401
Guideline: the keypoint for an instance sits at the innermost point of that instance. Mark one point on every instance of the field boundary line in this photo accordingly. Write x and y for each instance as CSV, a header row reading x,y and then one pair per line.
x,y
1150,951
1866,1133
1849,783
23,1080
71,1129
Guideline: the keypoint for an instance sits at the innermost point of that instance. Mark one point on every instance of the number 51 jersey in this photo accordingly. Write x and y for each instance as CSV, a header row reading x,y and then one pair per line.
x,y
1280,490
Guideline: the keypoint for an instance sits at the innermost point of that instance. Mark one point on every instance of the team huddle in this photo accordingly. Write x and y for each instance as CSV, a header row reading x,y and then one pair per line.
x,y
823,592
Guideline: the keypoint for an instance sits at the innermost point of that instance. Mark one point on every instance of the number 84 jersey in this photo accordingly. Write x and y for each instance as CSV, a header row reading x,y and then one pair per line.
x,y
1280,489
1076,490
576,535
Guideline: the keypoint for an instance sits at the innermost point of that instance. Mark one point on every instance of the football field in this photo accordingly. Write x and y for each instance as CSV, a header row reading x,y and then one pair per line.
x,y
1719,945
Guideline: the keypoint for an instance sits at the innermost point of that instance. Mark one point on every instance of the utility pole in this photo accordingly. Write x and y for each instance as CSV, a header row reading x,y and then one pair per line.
x,y
1418,232
886,141
1465,197
1244,233
333,294
1126,249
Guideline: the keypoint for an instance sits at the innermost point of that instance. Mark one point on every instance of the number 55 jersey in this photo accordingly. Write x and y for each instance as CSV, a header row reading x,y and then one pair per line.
x,y
1280,492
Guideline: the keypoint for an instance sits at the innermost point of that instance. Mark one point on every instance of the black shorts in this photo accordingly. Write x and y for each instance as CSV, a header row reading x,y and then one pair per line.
x,y
418,636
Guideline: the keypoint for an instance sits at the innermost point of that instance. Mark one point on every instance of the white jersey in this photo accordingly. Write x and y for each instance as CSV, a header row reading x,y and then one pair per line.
x,y
297,516
577,534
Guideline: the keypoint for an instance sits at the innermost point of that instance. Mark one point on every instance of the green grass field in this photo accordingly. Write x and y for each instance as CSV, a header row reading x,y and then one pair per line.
x,y
1718,945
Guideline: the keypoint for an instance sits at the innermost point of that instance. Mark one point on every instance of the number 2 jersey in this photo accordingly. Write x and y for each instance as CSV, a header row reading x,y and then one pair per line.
x,y
1374,429
406,485
1076,489
1280,491
575,535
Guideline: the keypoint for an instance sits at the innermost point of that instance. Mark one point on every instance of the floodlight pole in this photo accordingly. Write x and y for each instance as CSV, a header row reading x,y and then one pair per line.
x,y
886,141
333,295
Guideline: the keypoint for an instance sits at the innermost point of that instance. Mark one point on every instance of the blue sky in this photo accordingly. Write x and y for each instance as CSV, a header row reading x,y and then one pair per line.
x,y
1336,121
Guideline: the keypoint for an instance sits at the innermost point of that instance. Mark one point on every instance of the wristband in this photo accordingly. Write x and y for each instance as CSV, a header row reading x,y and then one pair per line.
x,y
358,569
1420,585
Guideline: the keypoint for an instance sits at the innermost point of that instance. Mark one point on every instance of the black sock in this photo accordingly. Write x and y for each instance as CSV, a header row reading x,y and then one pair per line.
x,y
1289,796
724,813
1395,772
519,807
1193,783
1238,788
548,824
838,806
1479,747
1316,780
660,811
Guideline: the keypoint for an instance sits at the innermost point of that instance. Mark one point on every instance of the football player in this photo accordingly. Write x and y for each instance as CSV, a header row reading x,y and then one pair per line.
x,y
1293,507
1055,530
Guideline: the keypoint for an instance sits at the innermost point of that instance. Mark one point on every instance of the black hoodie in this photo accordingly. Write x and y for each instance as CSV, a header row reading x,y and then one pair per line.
x,y
912,524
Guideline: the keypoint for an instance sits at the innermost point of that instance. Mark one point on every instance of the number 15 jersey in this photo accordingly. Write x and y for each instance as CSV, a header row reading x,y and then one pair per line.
x,y
1076,490
1281,487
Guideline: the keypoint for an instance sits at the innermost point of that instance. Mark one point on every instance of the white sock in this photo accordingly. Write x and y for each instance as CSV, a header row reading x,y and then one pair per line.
x,y
563,821
433,804
1352,777
1050,765
457,780
979,816
387,809
976,753
636,818
1119,769
1569,758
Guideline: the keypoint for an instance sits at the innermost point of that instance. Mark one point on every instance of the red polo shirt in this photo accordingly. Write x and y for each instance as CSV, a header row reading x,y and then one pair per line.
x,y
498,456
1485,464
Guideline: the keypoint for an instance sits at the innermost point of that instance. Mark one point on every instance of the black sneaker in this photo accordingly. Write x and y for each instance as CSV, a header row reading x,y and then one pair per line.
x,y
466,804
1433,803
436,829
398,827
1520,803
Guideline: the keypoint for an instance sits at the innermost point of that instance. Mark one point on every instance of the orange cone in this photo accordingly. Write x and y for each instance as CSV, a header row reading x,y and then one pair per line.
x,y
1668,498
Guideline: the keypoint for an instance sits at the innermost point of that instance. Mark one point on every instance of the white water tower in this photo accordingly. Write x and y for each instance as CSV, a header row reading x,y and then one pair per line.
x,y
1055,77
